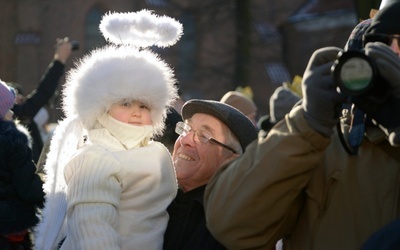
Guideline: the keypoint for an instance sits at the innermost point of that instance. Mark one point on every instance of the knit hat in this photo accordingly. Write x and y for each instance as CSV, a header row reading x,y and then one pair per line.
x,y
7,98
355,41
126,69
384,3
281,102
239,101
237,122
386,21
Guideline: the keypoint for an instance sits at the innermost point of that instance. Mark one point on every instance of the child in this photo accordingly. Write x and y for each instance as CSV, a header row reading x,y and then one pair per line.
x,y
20,187
118,183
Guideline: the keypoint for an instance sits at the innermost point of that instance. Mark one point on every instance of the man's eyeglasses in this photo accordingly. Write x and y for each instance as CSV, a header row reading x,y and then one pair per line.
x,y
383,38
199,137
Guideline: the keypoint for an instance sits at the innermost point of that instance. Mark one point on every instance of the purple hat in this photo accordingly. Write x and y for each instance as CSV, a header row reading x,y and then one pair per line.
x,y
7,98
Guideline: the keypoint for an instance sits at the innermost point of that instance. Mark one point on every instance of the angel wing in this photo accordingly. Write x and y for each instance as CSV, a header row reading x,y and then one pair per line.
x,y
64,143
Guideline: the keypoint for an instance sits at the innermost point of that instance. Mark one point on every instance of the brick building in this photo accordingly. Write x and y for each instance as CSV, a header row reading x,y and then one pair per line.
x,y
226,43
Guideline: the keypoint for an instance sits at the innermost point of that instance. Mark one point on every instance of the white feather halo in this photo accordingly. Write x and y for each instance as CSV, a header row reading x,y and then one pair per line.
x,y
142,29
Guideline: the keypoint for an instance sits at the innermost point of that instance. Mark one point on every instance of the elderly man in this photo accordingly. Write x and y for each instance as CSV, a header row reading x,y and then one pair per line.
x,y
212,133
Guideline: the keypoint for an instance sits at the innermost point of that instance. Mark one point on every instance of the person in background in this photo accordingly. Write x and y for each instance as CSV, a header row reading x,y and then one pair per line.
x,y
169,136
27,106
280,103
211,134
302,184
118,181
21,192
243,103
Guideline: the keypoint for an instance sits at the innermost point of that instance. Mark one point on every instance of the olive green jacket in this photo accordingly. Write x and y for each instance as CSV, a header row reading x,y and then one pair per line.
x,y
301,187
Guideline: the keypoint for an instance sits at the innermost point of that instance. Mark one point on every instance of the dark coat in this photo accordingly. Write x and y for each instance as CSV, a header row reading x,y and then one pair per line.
x,y
26,111
187,224
21,189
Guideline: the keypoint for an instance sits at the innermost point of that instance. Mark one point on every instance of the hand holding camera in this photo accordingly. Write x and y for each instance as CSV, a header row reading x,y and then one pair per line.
x,y
388,64
372,78
321,101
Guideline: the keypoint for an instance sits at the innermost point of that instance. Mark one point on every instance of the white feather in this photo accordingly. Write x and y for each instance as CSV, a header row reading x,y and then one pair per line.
x,y
142,29
64,144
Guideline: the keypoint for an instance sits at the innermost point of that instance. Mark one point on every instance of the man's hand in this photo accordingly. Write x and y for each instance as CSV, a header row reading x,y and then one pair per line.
x,y
321,101
388,64
63,50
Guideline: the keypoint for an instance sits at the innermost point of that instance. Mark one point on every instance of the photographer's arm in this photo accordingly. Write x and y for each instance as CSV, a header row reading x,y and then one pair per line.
x,y
256,200
48,83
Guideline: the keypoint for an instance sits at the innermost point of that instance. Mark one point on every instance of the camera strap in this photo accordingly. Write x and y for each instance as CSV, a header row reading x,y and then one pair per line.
x,y
351,132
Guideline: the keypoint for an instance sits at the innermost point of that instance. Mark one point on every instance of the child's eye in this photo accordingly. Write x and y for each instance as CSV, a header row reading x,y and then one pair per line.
x,y
126,104
143,106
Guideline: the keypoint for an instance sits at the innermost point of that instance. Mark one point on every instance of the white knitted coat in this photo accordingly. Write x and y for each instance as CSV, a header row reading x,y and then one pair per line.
x,y
118,192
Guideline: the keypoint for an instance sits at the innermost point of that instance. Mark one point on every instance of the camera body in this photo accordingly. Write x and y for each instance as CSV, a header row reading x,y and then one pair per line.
x,y
357,75
75,45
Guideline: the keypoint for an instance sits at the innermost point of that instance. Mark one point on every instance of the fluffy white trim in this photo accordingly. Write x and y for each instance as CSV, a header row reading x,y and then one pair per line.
x,y
25,131
111,74
64,143
142,28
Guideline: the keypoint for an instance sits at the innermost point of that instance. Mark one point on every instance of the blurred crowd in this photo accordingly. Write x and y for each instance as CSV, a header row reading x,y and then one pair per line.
x,y
134,166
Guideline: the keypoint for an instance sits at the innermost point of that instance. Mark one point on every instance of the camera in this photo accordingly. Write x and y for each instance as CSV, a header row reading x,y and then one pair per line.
x,y
75,45
357,75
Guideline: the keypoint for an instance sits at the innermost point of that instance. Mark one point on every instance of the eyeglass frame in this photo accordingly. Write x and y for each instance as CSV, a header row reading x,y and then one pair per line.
x,y
182,129
385,38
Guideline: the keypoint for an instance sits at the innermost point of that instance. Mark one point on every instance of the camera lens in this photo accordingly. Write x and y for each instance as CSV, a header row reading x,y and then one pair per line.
x,y
353,72
75,45
356,74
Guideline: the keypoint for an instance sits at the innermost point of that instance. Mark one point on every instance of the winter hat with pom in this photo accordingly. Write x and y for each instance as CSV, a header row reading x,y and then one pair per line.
x,y
125,69
7,98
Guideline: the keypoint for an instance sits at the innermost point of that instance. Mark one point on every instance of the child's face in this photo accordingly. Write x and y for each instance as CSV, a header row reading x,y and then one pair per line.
x,y
134,113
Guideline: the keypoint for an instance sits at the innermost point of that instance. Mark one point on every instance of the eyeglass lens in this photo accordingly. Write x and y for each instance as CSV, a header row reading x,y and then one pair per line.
x,y
199,137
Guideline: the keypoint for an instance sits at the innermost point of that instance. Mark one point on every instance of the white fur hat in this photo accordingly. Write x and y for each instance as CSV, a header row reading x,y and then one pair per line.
x,y
127,71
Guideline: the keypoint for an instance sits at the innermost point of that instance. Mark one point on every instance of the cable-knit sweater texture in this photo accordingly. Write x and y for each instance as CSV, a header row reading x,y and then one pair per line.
x,y
119,186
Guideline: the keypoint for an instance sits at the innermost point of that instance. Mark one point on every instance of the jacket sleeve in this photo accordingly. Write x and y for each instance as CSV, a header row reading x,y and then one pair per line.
x,y
254,201
39,97
94,189
26,181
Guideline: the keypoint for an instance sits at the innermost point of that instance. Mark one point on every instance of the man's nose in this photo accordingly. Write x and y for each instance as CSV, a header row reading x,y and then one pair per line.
x,y
187,138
